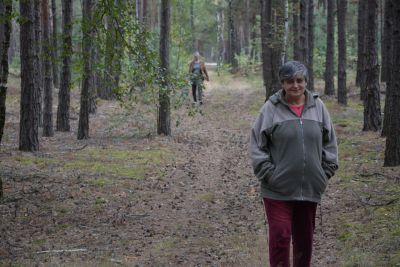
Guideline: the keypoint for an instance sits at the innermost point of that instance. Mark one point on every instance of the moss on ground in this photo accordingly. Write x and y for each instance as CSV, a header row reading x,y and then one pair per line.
x,y
370,233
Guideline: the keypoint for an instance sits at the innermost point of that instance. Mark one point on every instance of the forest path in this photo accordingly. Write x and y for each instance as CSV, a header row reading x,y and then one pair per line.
x,y
198,204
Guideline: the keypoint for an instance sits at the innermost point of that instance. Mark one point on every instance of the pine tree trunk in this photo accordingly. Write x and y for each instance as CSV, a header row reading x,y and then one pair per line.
x,y
296,30
83,125
29,112
310,83
14,41
139,14
266,52
330,49
341,19
361,43
220,36
303,45
392,151
65,79
54,50
387,41
272,34
164,113
39,58
246,29
48,83
5,34
192,26
95,62
232,38
145,13
253,38
372,107
387,64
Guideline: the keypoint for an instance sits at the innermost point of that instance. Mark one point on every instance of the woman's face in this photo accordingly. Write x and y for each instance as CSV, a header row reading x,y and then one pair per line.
x,y
294,87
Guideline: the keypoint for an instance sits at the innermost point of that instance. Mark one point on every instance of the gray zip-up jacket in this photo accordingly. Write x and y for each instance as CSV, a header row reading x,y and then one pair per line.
x,y
293,157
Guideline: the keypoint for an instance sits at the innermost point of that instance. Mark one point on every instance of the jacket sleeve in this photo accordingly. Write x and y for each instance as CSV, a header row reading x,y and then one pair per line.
x,y
329,145
260,156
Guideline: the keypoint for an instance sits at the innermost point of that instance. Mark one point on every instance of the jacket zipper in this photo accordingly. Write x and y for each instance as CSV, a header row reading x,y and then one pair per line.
x,y
304,159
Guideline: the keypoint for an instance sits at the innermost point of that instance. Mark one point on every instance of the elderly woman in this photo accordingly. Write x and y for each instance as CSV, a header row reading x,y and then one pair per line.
x,y
294,152
197,72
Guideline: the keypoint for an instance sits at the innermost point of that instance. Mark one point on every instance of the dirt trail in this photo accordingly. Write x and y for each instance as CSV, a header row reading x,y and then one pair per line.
x,y
204,210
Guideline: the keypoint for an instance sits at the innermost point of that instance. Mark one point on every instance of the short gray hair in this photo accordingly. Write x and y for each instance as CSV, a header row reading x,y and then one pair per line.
x,y
291,69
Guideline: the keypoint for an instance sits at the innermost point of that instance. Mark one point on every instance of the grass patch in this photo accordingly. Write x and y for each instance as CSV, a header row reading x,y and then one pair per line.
x,y
208,197
132,164
369,234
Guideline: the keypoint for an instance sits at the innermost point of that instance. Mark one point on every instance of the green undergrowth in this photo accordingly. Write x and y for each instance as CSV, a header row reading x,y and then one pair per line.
x,y
368,230
105,164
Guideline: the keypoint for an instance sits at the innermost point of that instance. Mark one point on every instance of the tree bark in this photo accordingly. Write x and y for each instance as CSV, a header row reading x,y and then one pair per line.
x,y
303,45
392,151
5,35
65,82
387,41
310,83
48,85
296,30
192,27
54,50
341,19
29,112
83,125
362,8
232,38
145,13
372,107
164,113
387,64
330,49
272,34
39,57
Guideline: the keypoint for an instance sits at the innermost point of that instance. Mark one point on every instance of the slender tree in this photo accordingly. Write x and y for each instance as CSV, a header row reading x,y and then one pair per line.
x,y
64,94
38,57
303,44
5,33
387,64
341,19
296,30
361,20
372,107
392,151
232,37
164,112
29,112
330,49
83,125
145,13
114,51
310,83
48,85
54,49
272,35
192,27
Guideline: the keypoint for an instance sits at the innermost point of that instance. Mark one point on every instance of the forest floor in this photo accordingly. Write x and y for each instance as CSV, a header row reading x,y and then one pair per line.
x,y
127,197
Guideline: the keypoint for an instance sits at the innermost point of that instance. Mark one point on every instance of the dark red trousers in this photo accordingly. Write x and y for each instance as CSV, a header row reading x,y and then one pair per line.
x,y
290,220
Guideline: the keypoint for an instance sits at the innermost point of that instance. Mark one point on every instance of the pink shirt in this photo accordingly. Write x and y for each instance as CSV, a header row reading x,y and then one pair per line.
x,y
297,109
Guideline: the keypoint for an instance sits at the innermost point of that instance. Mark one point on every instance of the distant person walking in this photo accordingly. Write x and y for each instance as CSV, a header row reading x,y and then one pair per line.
x,y
294,152
197,72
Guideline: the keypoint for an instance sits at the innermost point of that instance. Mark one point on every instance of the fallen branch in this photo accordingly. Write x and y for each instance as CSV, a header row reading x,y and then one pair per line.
x,y
62,250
